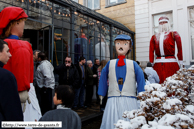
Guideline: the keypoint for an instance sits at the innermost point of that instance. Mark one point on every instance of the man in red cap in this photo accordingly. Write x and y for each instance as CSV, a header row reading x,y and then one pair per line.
x,y
163,44
21,64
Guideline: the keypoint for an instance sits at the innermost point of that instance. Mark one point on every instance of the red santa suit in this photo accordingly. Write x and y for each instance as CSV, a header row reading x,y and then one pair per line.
x,y
164,46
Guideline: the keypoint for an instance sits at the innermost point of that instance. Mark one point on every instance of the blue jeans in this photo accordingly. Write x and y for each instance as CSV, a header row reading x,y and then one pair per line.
x,y
79,95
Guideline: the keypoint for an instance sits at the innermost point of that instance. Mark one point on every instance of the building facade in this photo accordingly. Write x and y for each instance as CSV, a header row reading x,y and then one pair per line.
x,y
181,16
121,11
63,28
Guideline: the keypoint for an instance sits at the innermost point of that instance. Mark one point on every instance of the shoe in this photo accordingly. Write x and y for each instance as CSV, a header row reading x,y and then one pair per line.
x,y
84,107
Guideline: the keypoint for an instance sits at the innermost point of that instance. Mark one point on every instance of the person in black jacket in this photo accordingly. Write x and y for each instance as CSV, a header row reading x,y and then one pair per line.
x,y
80,92
10,105
89,83
95,67
68,74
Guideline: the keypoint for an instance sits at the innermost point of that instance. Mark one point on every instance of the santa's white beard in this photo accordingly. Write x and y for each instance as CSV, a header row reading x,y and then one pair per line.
x,y
164,28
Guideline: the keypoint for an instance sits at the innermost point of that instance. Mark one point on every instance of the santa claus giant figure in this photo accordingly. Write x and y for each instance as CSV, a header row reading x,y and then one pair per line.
x,y
21,64
163,43
122,91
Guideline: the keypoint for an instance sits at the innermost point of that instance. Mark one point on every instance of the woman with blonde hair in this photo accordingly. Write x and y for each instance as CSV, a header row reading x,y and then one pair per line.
x,y
102,65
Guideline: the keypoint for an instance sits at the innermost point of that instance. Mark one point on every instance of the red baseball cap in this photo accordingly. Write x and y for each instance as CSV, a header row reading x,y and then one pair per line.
x,y
9,14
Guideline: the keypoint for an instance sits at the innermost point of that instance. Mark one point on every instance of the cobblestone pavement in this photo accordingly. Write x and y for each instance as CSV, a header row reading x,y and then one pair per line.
x,y
93,125
91,116
88,111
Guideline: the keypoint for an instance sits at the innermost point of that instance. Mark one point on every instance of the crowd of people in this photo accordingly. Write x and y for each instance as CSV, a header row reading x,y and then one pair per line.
x,y
28,81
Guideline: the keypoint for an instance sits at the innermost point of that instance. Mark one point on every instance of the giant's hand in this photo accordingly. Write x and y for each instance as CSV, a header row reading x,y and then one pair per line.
x,y
23,97
101,97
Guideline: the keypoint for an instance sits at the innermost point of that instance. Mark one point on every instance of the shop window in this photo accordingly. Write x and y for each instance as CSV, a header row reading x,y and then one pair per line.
x,y
156,24
114,2
92,4
191,22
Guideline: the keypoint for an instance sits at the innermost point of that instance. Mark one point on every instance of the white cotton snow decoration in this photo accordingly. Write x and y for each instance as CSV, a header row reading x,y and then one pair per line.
x,y
164,127
148,88
167,119
154,125
184,117
131,114
121,124
143,104
141,93
152,99
189,108
146,126
191,68
159,94
169,103
137,122
152,87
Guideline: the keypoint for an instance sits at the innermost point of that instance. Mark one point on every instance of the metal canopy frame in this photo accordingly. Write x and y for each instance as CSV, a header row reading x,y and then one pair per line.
x,y
75,7
93,14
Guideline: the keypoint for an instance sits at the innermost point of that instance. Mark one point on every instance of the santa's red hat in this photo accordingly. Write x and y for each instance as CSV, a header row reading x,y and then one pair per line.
x,y
163,18
9,14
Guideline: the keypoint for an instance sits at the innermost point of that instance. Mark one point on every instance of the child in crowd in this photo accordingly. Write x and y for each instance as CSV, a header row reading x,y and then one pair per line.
x,y
63,99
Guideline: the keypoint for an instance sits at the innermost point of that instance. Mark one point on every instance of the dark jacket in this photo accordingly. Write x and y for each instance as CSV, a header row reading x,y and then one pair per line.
x,y
95,67
10,105
89,76
80,73
72,80
68,118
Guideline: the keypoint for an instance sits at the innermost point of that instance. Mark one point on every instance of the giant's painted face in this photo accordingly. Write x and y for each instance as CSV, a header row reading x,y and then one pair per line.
x,y
18,28
122,46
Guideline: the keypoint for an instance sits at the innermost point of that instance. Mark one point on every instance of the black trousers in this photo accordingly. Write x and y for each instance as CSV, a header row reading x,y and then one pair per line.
x,y
97,96
46,99
89,94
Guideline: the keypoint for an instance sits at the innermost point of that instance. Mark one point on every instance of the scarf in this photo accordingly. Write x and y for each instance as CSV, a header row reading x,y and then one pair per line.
x,y
121,60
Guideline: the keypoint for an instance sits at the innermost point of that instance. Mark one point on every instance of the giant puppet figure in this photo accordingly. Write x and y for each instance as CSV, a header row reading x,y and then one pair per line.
x,y
12,21
163,43
122,91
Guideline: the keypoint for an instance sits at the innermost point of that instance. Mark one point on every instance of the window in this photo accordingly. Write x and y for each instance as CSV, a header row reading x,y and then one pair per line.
x,y
92,4
191,21
75,0
156,24
113,2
